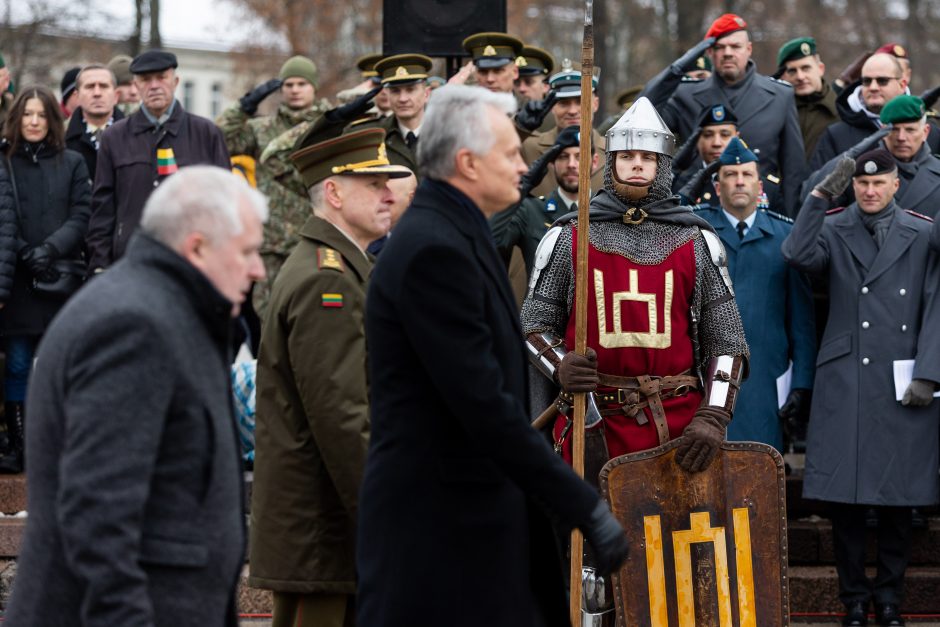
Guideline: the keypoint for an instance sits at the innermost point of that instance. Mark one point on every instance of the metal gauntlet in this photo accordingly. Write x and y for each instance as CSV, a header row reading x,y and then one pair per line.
x,y
723,377
546,351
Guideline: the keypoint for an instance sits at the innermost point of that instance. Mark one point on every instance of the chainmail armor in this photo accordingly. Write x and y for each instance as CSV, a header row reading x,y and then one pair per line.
x,y
720,329
660,189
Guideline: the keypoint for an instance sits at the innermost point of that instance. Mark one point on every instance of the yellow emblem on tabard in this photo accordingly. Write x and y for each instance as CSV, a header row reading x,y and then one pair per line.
x,y
489,51
805,49
401,72
521,62
899,51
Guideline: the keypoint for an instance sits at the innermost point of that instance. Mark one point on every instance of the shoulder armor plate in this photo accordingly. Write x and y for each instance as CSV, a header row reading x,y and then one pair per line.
x,y
542,255
719,257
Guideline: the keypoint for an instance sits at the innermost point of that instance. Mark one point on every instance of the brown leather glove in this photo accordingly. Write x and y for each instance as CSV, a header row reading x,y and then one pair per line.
x,y
578,373
853,71
703,437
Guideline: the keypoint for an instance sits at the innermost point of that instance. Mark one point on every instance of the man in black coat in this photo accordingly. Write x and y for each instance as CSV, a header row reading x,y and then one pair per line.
x,y
453,516
97,110
136,511
138,153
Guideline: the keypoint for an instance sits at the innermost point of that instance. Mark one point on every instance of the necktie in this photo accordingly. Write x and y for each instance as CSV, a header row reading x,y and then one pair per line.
x,y
742,226
573,207
411,139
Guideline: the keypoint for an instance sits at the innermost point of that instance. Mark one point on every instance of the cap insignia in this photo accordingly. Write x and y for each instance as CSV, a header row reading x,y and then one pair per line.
x,y
401,72
804,48
489,51
566,65
718,113
521,62
700,63
870,167
739,21
899,51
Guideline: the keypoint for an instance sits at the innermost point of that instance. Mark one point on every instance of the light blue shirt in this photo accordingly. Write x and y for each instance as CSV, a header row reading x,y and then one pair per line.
x,y
749,221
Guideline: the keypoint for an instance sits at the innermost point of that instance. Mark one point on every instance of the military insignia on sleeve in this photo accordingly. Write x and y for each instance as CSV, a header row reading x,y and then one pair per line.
x,y
331,300
773,179
329,259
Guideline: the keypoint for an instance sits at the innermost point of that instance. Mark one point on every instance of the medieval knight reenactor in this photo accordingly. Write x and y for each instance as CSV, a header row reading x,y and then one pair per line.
x,y
668,346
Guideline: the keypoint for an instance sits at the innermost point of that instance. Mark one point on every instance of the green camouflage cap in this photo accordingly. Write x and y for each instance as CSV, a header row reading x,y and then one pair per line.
x,y
796,49
360,152
903,108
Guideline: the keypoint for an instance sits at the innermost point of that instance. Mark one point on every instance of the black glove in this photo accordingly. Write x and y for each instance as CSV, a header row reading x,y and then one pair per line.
x,y
692,191
837,180
869,142
578,373
683,156
930,97
919,393
796,407
250,101
39,258
703,438
530,180
607,538
532,114
687,61
350,111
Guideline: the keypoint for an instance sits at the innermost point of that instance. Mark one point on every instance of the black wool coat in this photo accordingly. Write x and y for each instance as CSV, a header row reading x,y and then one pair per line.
x,y
7,234
453,514
53,192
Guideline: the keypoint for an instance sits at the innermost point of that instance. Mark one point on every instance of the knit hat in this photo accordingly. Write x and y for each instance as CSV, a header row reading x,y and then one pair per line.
x,y
796,49
67,86
878,161
300,67
725,25
903,108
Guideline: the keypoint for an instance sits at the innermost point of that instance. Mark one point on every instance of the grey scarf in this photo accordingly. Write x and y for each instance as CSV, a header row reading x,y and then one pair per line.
x,y
878,224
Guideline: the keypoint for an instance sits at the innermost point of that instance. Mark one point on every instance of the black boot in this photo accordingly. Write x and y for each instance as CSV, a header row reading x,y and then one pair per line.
x,y
14,461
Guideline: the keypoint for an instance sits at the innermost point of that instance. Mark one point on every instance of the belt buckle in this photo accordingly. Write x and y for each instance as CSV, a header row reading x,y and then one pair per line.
x,y
681,390
621,396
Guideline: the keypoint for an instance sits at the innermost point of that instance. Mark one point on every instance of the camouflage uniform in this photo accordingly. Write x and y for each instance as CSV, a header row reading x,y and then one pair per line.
x,y
289,205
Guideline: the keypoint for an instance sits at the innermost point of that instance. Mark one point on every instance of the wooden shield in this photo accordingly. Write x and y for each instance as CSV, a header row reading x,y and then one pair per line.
x,y
706,549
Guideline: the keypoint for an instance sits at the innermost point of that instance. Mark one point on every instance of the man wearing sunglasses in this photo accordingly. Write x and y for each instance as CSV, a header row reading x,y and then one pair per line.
x,y
859,106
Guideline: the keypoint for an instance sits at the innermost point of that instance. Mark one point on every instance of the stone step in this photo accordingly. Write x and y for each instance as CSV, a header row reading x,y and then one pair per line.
x,y
12,493
815,589
810,543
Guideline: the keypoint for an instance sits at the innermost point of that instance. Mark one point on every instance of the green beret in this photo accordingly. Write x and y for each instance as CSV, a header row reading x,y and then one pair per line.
x,y
359,152
903,108
300,67
796,49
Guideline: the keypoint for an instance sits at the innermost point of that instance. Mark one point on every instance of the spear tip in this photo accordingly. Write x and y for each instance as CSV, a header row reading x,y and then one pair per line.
x,y
588,12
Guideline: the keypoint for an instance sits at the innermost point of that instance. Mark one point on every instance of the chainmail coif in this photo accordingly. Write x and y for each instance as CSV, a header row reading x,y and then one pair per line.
x,y
660,189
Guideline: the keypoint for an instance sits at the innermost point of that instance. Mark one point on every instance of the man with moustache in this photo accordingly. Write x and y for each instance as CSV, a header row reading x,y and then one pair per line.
x,y
799,64
141,151
312,421
765,107
97,111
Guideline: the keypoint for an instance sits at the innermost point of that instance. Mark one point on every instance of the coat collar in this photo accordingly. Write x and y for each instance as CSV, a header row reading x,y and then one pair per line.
x,y
713,91
139,123
729,235
896,244
319,230
924,183
848,226
76,126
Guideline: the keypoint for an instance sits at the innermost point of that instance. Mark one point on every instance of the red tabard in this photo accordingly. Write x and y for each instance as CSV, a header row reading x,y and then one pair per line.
x,y
638,322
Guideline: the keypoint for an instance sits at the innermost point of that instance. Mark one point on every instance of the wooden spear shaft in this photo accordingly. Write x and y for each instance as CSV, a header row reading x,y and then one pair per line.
x,y
580,313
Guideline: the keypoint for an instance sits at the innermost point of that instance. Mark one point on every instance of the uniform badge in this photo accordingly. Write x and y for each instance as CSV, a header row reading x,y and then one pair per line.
x,y
489,51
521,62
870,167
329,259
739,21
332,300
805,49
550,206
700,63
773,179
718,112
166,162
899,51
401,72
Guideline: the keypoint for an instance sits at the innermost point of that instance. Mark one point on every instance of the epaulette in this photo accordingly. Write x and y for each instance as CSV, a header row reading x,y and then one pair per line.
x,y
835,210
778,216
781,81
919,215
773,179
329,259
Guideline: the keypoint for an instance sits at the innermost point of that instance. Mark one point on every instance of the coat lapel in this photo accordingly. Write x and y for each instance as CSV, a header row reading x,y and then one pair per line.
x,y
896,244
925,183
858,240
759,231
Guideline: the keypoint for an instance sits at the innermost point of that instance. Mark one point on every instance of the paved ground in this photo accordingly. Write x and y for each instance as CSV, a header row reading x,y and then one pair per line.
x,y
796,622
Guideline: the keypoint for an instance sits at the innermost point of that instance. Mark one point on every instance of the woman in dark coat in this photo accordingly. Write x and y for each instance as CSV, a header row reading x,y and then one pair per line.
x,y
52,192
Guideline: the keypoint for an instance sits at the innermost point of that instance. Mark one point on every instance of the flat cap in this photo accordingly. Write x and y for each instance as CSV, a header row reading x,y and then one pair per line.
x,y
567,81
404,69
736,153
894,49
121,66
492,50
716,115
878,161
366,64
535,61
153,61
796,49
359,152
903,108
725,25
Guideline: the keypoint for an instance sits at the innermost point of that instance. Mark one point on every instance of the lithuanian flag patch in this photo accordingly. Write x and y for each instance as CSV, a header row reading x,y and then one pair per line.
x,y
166,161
332,300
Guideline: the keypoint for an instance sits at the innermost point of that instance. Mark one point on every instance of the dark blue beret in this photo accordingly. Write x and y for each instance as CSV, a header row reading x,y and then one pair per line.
x,y
717,114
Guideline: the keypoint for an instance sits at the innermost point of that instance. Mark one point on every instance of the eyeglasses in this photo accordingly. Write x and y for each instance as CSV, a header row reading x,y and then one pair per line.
x,y
881,80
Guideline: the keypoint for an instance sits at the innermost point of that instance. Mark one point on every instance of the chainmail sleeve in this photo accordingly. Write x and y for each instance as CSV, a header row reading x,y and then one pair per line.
x,y
549,306
720,331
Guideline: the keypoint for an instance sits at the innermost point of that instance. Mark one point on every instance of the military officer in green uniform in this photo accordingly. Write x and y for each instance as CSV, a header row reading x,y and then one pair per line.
x,y
404,77
312,424
246,137
494,59
567,111
799,64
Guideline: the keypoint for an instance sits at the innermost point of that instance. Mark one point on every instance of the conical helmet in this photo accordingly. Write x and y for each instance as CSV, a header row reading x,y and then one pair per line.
x,y
641,128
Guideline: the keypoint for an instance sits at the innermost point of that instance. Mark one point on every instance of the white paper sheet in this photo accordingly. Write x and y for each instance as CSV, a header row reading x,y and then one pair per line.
x,y
784,382
903,373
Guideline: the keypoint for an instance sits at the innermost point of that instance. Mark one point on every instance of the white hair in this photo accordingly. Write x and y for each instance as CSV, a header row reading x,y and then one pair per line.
x,y
201,198
457,118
